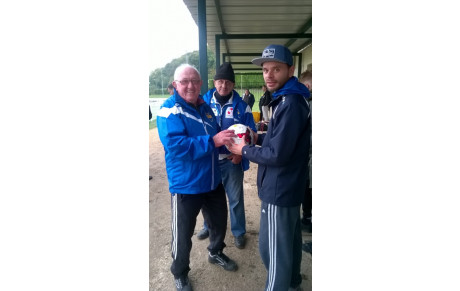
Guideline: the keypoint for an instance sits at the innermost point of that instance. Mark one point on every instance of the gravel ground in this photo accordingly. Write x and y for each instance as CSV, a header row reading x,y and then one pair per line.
x,y
251,273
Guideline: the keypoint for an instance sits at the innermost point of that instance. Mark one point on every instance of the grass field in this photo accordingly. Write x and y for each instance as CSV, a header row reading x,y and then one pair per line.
x,y
152,124
159,96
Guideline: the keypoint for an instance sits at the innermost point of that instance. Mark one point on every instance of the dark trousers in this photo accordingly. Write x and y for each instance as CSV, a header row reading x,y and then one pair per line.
x,y
280,246
184,209
306,205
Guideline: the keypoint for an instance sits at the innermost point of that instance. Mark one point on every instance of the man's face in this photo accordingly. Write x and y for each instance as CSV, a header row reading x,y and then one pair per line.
x,y
276,74
224,87
188,85
307,84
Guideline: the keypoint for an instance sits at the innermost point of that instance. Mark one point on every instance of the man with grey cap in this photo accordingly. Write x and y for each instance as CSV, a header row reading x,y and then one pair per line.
x,y
282,176
230,109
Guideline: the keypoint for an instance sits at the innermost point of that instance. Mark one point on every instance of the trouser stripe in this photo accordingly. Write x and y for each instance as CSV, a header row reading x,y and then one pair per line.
x,y
272,229
174,226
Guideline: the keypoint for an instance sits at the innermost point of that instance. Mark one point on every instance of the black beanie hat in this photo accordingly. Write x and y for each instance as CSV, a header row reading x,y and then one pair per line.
x,y
225,72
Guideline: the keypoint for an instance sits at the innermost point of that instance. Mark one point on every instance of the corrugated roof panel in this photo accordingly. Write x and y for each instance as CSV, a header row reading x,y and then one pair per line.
x,y
253,17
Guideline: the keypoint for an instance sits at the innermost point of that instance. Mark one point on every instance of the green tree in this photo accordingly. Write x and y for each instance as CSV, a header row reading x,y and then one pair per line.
x,y
161,77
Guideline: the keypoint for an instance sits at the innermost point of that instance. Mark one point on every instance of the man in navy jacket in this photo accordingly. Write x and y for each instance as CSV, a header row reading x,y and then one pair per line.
x,y
282,174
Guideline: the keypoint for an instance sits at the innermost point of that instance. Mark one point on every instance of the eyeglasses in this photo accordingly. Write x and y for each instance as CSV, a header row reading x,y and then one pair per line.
x,y
186,82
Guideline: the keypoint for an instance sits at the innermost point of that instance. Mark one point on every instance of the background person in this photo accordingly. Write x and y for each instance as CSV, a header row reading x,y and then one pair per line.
x,y
306,79
261,102
267,98
190,136
282,169
248,97
230,109
170,89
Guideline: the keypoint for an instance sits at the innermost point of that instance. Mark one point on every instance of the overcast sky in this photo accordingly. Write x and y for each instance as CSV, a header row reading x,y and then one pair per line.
x,y
172,32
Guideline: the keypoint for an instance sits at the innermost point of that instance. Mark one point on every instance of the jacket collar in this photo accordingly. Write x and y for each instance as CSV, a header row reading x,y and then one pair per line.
x,y
292,86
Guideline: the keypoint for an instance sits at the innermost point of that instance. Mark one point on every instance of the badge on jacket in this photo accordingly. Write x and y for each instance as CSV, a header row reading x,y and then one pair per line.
x,y
229,112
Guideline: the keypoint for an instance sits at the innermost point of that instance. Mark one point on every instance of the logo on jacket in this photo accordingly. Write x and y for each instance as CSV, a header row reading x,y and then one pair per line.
x,y
229,112
209,116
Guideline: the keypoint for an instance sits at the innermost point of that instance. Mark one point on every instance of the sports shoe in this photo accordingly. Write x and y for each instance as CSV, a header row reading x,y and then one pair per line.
x,y
223,261
204,233
183,284
240,241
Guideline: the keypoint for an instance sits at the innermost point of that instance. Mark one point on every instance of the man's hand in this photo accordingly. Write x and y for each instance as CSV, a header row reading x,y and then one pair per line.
x,y
236,149
224,137
254,134
236,159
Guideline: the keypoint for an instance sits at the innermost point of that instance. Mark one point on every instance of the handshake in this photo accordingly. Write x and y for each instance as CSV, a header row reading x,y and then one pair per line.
x,y
233,136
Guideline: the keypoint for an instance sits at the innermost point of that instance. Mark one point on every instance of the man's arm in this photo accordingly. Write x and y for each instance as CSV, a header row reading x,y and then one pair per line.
x,y
283,138
175,137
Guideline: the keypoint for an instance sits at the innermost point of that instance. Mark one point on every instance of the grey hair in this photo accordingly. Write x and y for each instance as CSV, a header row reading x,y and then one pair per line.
x,y
306,76
181,68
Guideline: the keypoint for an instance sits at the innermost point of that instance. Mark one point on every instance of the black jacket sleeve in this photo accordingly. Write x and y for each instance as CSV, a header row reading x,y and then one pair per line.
x,y
267,98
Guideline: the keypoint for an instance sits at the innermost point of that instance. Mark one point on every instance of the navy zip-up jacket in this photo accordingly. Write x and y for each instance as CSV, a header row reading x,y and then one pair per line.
x,y
282,176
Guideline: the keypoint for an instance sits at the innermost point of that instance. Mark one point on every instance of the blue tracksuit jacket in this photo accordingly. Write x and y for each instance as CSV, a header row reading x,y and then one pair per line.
x,y
191,157
233,112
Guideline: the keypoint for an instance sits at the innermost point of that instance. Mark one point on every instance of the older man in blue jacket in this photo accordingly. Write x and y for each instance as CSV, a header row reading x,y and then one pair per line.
x,y
230,109
191,137
282,174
